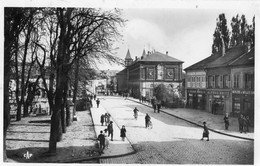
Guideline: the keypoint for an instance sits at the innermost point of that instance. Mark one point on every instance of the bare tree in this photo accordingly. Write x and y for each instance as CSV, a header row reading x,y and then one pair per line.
x,y
14,23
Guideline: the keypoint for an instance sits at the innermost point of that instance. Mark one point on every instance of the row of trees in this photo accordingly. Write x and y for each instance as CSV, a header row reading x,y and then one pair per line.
x,y
241,33
63,44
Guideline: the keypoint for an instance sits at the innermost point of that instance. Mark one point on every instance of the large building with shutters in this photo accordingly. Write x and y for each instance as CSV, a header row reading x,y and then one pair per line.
x,y
151,69
223,82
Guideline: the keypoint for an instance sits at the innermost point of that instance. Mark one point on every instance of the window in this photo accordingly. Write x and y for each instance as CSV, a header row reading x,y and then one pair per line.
x,y
193,82
189,82
198,82
203,82
142,73
217,83
169,73
236,81
226,81
221,81
211,82
159,72
150,73
249,81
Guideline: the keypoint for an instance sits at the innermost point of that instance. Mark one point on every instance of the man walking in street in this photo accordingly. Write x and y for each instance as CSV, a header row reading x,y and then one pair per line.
x,y
101,139
110,130
147,120
241,122
158,106
98,102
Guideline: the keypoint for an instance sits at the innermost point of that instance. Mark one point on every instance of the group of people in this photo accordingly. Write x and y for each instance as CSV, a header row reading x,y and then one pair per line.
x,y
148,122
105,118
36,109
103,136
156,104
243,122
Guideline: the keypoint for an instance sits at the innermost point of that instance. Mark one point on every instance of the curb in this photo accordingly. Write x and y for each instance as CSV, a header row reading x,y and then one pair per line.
x,y
249,139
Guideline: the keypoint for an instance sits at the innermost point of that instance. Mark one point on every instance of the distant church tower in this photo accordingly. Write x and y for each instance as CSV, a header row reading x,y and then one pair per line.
x,y
128,59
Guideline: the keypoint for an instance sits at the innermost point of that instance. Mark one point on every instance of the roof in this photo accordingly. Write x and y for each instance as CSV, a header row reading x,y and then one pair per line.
x,y
122,72
128,56
245,59
158,57
231,55
203,63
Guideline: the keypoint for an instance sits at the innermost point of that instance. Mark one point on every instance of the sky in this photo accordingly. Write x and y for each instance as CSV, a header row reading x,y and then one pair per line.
x,y
183,28
187,34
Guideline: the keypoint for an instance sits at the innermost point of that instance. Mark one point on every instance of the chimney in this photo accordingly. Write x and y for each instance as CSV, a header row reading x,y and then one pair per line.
x,y
166,53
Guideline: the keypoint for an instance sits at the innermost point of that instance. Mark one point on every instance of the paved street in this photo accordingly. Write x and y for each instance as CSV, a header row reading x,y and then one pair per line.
x,y
173,141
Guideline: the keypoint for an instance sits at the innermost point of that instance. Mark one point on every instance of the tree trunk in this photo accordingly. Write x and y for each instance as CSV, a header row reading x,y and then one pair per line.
x,y
76,81
25,109
6,99
63,121
55,135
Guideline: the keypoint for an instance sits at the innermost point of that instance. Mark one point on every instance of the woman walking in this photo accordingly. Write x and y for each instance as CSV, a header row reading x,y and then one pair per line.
x,y
136,113
122,133
205,131
226,121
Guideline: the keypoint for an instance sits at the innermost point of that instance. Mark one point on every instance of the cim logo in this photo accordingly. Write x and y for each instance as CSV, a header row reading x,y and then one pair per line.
x,y
27,155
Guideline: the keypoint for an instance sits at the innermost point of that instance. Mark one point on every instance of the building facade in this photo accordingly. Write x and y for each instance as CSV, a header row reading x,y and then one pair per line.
x,y
229,84
154,68
196,83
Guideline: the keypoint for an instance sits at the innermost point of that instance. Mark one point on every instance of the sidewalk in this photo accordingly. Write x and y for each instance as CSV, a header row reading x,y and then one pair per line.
x,y
30,136
215,123
117,147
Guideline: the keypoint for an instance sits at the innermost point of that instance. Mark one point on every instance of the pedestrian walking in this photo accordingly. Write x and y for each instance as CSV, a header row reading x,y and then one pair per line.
x,y
110,130
98,102
154,107
95,96
245,124
147,120
102,119
205,132
226,121
101,139
106,139
122,133
158,106
107,118
136,113
241,122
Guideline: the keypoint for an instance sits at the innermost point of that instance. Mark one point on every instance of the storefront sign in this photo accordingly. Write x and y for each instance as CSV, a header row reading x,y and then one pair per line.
x,y
243,92
201,91
218,92
192,91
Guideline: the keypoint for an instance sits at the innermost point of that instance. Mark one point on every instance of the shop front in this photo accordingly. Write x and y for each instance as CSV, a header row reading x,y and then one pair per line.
x,y
196,98
243,102
219,102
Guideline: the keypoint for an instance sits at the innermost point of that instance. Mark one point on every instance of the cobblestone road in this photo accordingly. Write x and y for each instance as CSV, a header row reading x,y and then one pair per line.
x,y
173,141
